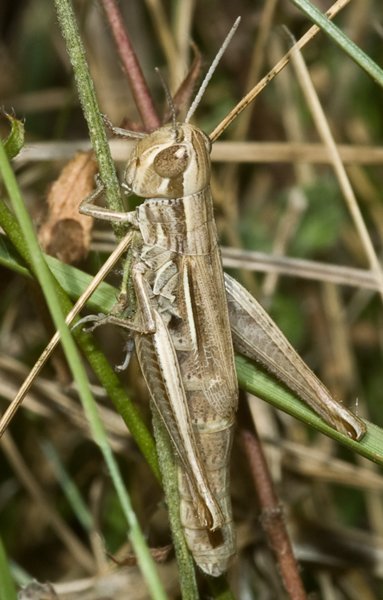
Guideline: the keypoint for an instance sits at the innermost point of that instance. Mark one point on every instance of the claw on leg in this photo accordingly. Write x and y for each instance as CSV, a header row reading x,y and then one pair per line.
x,y
98,320
129,346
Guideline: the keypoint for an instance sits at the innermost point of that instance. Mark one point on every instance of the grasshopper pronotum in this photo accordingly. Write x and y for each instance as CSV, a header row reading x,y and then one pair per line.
x,y
187,317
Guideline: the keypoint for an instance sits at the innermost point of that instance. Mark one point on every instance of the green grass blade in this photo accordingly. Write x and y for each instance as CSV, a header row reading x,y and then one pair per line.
x,y
91,112
68,486
20,575
71,280
46,281
7,589
91,109
168,464
10,258
257,382
15,141
112,191
220,588
360,57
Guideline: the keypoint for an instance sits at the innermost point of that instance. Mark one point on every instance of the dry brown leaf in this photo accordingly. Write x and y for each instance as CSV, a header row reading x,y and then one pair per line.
x,y
66,233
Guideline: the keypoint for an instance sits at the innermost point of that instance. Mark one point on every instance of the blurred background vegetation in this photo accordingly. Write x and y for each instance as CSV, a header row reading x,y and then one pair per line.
x,y
286,206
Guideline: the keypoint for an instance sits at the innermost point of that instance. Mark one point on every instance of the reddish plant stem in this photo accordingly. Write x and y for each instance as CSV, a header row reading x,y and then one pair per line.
x,y
131,67
272,517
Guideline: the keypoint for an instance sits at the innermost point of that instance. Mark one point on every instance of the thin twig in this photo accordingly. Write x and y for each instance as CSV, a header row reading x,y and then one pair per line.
x,y
113,258
272,517
298,267
131,67
49,402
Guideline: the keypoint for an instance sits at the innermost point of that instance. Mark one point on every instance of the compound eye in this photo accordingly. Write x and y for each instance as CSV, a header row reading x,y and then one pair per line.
x,y
171,162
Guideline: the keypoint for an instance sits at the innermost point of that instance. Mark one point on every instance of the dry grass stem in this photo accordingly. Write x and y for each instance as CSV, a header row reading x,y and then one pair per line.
x,y
336,7
108,265
166,38
344,182
131,66
295,267
182,34
48,401
272,518
49,514
241,152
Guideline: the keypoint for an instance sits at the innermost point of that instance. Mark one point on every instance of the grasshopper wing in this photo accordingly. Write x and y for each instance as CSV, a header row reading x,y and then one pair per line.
x,y
160,368
258,337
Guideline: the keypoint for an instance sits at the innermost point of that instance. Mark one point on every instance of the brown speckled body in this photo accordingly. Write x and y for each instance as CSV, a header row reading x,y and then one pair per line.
x,y
177,254
205,356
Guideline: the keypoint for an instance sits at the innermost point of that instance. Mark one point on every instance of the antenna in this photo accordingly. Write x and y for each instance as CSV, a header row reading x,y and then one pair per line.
x,y
169,99
210,72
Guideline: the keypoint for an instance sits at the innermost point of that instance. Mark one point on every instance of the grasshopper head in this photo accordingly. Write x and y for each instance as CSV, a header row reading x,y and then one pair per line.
x,y
171,162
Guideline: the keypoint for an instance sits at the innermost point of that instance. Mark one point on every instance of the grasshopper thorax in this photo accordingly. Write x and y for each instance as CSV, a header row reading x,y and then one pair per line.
x,y
171,162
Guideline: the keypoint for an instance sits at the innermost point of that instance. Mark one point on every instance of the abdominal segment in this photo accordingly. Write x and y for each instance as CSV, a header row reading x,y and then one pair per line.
x,y
212,550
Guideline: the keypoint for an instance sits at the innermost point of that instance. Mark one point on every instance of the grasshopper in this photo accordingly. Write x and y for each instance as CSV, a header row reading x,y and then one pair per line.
x,y
188,319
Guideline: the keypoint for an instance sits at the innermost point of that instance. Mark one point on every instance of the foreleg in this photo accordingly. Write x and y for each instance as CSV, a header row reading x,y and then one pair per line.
x,y
89,207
